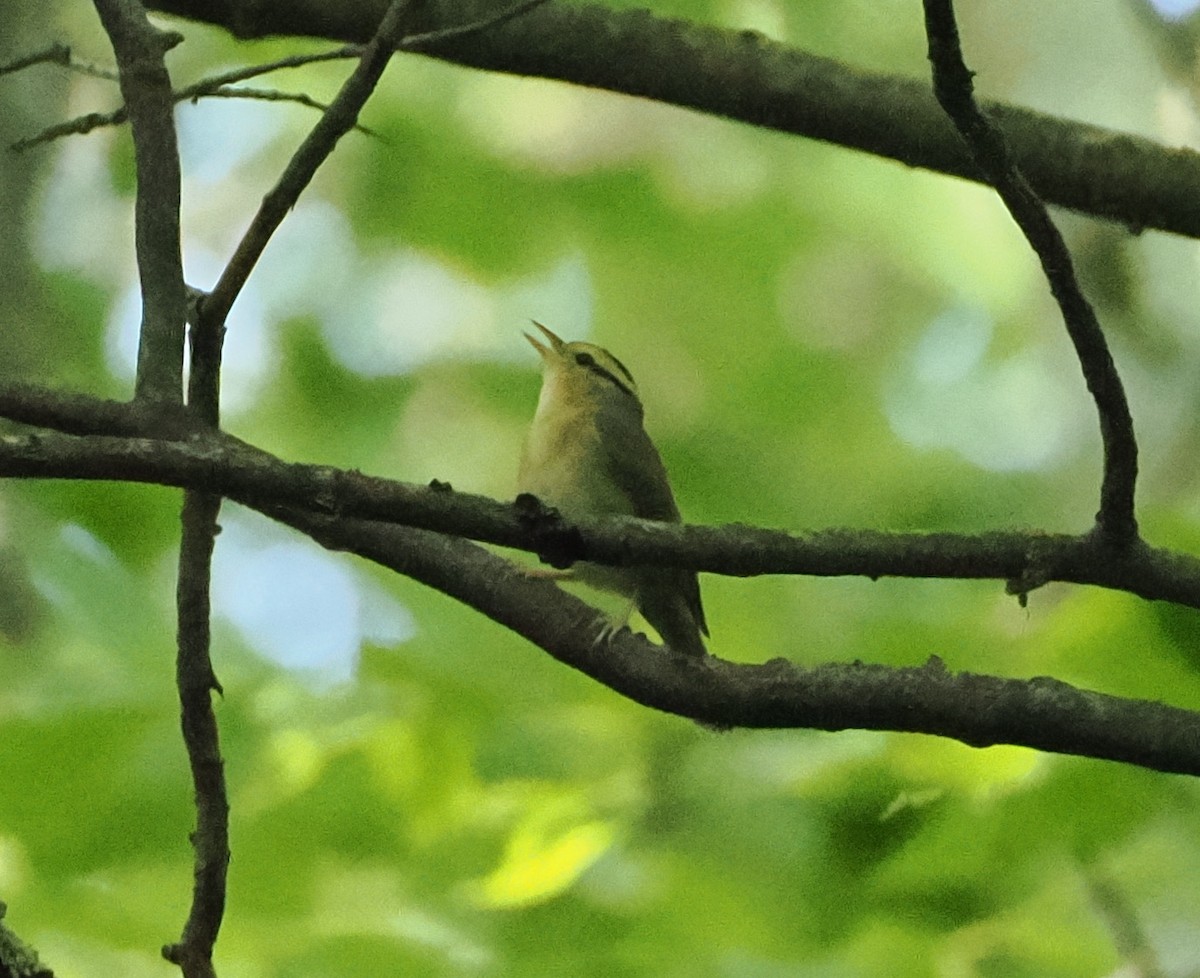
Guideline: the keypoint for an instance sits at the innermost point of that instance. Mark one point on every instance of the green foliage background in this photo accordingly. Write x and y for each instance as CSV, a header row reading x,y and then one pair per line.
x,y
822,339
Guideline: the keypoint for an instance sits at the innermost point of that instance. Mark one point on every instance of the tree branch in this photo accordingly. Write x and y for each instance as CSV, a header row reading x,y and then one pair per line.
x,y
149,100
223,465
82,414
195,676
980,711
196,681
234,75
146,88
58,54
953,87
742,75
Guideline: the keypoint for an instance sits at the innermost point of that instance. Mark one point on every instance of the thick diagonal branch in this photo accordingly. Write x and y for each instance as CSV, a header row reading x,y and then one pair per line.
x,y
978,710
744,76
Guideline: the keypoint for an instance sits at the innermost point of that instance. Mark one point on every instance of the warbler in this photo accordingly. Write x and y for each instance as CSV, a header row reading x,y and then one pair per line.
x,y
588,454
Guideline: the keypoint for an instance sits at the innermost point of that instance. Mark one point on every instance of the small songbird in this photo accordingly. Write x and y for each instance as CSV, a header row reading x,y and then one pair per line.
x,y
587,454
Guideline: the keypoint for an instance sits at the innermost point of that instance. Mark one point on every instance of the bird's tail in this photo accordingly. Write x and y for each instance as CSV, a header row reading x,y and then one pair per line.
x,y
666,606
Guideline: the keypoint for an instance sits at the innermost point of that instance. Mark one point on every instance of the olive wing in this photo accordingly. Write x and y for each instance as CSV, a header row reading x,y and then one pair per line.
x,y
635,467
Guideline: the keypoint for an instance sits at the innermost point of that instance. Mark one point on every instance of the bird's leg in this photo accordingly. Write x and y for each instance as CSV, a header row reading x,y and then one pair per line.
x,y
614,623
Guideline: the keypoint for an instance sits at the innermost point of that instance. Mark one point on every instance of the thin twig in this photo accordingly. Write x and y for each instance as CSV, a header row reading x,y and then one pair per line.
x,y
59,54
430,39
221,86
335,123
146,88
218,86
82,125
272,95
215,86
235,75
1116,520
92,71
79,126
196,678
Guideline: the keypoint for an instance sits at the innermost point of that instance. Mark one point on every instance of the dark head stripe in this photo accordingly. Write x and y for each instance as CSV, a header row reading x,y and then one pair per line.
x,y
623,369
599,371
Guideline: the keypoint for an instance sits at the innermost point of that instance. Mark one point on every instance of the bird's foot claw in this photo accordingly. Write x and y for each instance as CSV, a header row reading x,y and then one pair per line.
x,y
607,631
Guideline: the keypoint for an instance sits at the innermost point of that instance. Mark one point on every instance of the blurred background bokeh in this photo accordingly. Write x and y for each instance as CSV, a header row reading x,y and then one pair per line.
x,y
821,338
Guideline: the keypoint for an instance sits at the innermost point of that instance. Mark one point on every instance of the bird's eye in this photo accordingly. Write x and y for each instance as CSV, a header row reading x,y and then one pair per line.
x,y
585,360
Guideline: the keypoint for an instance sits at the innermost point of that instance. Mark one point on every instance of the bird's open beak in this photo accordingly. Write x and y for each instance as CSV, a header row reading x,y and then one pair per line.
x,y
556,344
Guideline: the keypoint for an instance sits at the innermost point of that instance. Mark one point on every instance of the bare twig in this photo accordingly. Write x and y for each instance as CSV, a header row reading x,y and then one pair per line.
x,y
92,71
83,124
79,126
216,86
265,95
335,123
221,86
430,39
58,54
146,89
1116,520
235,75
272,95
196,681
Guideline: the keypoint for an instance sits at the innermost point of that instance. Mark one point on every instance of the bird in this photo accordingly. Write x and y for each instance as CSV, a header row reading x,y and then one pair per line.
x,y
587,454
